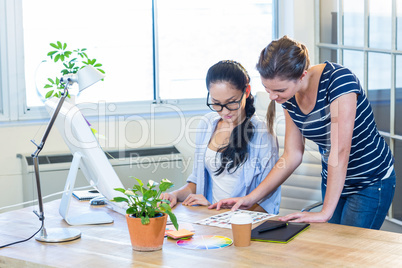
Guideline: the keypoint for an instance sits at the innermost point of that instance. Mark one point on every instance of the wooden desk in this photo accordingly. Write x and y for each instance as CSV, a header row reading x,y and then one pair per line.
x,y
323,245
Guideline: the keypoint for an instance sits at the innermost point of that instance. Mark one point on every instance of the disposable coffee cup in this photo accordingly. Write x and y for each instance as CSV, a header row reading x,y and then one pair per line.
x,y
241,229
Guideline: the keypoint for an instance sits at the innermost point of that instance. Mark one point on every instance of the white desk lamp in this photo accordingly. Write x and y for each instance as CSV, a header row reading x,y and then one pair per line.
x,y
85,77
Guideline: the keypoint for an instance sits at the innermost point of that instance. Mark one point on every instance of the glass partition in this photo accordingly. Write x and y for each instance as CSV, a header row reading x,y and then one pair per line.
x,y
379,85
328,22
399,24
380,24
354,60
327,54
353,23
398,96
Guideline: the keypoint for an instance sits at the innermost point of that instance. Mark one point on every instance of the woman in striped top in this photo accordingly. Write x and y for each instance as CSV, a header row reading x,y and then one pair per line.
x,y
326,104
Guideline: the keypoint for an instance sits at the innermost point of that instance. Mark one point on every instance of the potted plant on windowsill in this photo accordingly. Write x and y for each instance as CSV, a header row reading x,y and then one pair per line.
x,y
147,214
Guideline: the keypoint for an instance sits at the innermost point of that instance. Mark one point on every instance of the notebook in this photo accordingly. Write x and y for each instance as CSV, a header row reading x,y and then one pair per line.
x,y
86,195
279,235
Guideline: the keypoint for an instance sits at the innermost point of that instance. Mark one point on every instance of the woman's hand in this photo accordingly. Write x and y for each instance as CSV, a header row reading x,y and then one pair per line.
x,y
306,217
234,203
195,199
171,197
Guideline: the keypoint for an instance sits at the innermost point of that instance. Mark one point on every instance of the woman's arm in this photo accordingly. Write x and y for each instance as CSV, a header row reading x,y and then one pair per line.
x,y
343,113
180,194
287,163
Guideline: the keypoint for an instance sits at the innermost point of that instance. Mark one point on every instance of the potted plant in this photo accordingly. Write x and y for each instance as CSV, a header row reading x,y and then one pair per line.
x,y
147,214
70,62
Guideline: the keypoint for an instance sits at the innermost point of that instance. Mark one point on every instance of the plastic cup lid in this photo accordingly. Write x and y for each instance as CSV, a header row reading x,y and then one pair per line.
x,y
241,219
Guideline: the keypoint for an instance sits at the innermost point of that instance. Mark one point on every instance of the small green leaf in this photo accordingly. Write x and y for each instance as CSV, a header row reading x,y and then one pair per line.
x,y
51,53
57,58
62,57
130,210
139,182
173,219
50,80
98,65
165,185
65,46
54,45
120,190
59,45
165,207
137,188
49,94
119,199
165,201
145,220
102,71
48,86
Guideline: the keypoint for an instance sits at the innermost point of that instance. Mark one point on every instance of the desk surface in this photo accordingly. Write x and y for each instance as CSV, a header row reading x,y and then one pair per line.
x,y
108,245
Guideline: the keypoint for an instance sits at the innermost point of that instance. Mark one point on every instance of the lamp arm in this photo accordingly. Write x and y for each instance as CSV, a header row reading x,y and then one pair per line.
x,y
51,123
39,149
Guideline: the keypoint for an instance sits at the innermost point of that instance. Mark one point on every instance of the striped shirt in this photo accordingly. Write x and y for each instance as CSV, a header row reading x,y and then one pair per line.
x,y
370,157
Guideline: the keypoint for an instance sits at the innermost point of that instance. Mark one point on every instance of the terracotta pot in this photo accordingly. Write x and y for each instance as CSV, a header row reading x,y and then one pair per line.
x,y
148,237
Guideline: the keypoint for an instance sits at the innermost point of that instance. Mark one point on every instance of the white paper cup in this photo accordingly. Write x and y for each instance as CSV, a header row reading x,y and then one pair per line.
x,y
241,229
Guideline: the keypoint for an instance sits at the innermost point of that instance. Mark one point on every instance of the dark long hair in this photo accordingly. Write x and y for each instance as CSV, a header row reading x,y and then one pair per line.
x,y
285,59
235,153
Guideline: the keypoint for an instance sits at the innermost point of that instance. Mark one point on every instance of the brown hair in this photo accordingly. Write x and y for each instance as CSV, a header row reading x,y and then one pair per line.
x,y
286,59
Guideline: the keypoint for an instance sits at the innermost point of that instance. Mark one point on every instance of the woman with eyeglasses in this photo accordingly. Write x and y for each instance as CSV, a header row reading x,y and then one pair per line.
x,y
325,103
234,151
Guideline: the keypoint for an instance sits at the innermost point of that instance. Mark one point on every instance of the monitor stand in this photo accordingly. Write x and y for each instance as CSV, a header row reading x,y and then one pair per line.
x,y
81,219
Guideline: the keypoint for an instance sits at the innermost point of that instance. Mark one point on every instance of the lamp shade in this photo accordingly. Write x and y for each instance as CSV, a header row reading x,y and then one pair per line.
x,y
88,76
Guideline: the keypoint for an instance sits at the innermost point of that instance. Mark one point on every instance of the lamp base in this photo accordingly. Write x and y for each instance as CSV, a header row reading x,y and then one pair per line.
x,y
58,235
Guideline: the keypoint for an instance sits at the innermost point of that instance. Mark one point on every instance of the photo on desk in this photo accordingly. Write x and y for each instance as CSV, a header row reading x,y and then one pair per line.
x,y
278,235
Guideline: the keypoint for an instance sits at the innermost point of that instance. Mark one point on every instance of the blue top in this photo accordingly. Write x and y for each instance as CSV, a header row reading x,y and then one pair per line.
x,y
370,157
263,154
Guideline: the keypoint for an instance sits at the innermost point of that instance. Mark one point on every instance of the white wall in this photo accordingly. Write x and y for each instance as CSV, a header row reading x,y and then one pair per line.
x,y
121,133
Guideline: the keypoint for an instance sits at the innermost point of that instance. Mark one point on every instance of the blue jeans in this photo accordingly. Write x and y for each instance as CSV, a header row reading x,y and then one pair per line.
x,y
368,207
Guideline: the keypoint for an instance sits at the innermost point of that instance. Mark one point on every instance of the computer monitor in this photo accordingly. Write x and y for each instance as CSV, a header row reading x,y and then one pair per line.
x,y
89,157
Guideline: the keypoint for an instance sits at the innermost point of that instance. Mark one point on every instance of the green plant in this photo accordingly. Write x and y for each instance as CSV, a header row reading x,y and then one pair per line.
x,y
145,203
71,62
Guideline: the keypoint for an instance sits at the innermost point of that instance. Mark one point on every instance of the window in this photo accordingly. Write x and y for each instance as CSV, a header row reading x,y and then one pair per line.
x,y
151,51
365,35
117,33
193,35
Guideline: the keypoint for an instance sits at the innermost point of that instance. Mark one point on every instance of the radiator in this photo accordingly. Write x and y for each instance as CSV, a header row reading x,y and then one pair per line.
x,y
145,164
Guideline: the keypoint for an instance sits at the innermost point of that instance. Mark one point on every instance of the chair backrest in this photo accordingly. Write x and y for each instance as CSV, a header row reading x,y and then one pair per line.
x,y
303,187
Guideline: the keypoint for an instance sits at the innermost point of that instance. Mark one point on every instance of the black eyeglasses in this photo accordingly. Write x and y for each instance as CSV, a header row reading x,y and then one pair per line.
x,y
231,106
